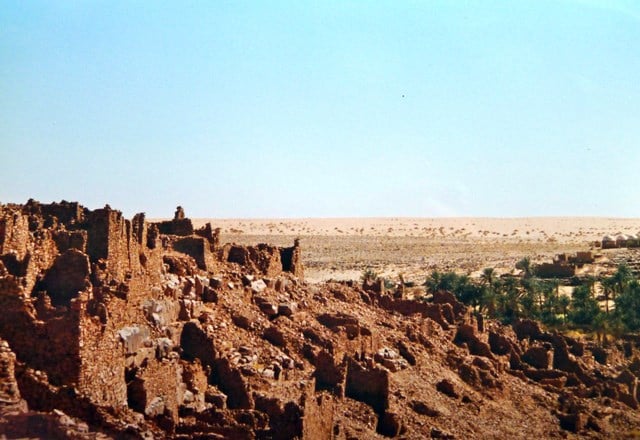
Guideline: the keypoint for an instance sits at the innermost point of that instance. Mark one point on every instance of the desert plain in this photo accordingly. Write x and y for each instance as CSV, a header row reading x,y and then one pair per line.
x,y
341,248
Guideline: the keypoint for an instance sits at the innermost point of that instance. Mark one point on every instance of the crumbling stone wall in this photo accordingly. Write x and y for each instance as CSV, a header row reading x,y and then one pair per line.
x,y
555,270
265,259
212,236
292,259
180,225
70,240
47,342
110,301
318,419
68,213
14,233
9,392
197,247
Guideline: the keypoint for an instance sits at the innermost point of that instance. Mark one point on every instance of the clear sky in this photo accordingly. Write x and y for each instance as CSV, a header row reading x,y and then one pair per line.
x,y
323,108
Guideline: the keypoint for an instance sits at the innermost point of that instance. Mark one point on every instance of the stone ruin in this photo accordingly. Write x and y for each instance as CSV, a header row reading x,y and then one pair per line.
x,y
116,328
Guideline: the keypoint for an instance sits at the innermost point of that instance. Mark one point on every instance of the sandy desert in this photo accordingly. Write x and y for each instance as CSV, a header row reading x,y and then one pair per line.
x,y
341,248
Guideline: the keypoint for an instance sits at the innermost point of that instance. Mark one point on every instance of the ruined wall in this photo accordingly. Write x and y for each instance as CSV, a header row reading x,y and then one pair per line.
x,y
97,309
318,419
292,259
14,232
212,236
70,240
118,330
47,341
139,225
118,241
198,248
100,346
156,390
9,392
555,270
107,238
265,259
66,212
182,227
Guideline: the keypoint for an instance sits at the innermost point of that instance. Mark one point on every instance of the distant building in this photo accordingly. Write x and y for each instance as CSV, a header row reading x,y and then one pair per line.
x,y
608,242
621,240
584,257
555,270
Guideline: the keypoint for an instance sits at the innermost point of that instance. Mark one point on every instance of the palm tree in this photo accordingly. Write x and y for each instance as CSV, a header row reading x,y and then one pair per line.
x,y
525,266
532,300
368,275
590,282
621,277
433,281
609,285
488,276
563,304
508,295
446,281
488,296
628,306
555,283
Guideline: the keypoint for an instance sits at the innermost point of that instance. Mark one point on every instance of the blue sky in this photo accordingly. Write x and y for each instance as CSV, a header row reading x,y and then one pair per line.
x,y
323,109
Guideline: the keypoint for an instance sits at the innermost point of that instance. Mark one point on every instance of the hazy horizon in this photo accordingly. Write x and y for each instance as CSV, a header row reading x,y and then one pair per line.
x,y
343,109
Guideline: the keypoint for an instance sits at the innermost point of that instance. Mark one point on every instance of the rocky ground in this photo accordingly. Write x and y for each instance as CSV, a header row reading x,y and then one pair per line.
x,y
342,248
132,329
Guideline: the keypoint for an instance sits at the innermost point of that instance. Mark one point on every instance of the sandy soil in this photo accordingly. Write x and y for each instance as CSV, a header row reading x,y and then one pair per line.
x,y
343,248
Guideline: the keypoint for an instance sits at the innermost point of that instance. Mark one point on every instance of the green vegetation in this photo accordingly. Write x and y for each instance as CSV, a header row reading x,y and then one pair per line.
x,y
509,298
368,275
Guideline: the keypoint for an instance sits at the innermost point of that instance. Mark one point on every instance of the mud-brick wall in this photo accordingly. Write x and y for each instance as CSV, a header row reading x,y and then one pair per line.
x,y
552,270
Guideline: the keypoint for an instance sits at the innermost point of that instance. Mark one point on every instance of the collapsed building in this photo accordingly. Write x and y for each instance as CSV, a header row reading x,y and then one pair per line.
x,y
564,265
98,303
134,329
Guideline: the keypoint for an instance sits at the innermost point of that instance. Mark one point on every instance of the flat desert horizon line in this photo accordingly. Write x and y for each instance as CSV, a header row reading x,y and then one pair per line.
x,y
341,248
562,229
399,217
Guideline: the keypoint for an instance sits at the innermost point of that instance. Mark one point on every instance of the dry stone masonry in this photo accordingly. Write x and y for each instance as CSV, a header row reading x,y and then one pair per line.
x,y
117,328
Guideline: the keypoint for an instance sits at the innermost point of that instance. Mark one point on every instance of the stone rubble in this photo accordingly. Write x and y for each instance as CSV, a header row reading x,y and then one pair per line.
x,y
115,328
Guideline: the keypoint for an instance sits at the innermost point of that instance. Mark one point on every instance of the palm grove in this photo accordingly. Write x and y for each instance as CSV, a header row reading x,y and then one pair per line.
x,y
529,297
